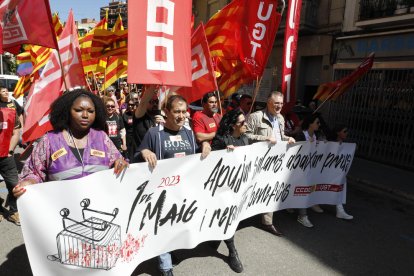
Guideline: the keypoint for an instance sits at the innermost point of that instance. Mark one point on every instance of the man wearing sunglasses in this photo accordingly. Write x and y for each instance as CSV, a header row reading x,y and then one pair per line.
x,y
147,114
268,125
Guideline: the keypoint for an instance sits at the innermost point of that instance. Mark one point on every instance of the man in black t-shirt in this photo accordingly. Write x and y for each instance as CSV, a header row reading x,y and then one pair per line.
x,y
170,141
147,114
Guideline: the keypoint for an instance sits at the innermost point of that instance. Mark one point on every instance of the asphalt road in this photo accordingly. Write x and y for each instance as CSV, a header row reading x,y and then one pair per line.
x,y
379,241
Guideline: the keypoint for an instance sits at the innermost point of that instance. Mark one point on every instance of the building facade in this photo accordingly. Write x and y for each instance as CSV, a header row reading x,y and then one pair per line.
x,y
379,108
115,8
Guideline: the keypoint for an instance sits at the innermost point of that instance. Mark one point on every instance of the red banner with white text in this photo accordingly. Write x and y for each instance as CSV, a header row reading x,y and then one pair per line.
x,y
241,38
25,22
159,42
290,50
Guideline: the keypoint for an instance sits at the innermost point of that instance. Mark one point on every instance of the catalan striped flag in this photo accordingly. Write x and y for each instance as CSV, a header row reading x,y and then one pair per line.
x,y
57,25
239,47
107,43
22,86
92,64
117,65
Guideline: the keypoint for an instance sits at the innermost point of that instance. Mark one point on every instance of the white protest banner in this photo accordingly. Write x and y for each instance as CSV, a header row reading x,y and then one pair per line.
x,y
101,224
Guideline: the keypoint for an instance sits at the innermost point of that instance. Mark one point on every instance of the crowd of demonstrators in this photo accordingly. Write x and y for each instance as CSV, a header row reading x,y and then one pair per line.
x,y
231,134
268,125
170,140
78,145
136,127
9,136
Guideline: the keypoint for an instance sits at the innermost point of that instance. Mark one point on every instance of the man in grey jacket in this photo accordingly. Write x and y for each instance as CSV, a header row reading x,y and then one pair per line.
x,y
268,125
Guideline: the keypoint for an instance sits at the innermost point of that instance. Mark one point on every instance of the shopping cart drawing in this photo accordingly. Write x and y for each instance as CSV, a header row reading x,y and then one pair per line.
x,y
91,243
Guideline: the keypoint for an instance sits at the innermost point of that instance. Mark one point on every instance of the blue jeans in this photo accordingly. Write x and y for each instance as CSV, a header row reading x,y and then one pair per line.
x,y
165,262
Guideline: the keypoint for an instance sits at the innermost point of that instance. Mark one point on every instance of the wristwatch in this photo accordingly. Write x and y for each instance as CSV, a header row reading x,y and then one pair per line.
x,y
11,152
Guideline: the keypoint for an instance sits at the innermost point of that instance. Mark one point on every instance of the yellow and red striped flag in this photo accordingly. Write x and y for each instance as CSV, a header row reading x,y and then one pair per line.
x,y
240,49
117,65
107,43
92,64
57,25
22,86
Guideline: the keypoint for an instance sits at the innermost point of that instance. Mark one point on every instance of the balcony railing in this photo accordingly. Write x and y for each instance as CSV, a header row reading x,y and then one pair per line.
x,y
373,9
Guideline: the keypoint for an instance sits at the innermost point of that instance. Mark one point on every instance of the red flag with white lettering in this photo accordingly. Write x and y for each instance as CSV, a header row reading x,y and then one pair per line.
x,y
50,85
159,42
258,34
25,22
290,48
202,74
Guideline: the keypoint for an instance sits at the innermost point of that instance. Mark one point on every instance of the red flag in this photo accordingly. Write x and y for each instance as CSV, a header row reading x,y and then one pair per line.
x,y
202,74
332,90
25,22
290,47
49,86
159,42
241,35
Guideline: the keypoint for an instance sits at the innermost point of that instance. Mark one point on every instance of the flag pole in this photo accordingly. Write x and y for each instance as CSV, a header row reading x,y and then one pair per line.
x,y
87,81
256,91
219,100
327,98
104,82
63,71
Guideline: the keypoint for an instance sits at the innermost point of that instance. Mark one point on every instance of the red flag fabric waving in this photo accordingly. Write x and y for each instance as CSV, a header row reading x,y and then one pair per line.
x,y
159,42
203,78
241,38
332,90
50,85
25,21
290,50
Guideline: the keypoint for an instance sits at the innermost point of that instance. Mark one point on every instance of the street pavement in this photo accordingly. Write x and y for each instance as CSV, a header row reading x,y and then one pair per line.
x,y
379,241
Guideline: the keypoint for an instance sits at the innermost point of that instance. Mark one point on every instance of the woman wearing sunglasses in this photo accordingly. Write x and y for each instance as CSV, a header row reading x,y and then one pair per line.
x,y
231,134
115,126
